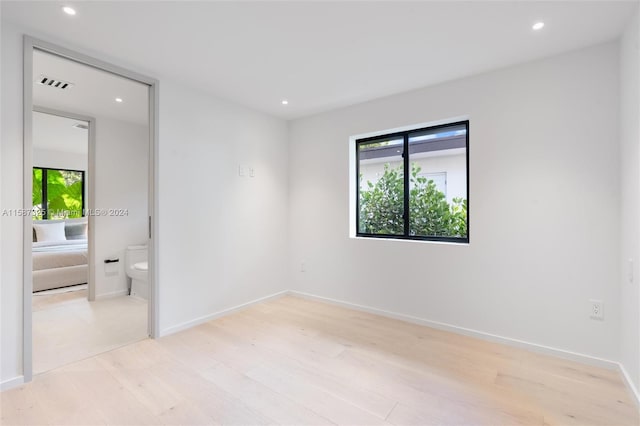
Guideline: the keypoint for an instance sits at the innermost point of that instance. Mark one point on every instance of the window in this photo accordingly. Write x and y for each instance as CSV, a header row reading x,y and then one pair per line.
x,y
57,193
414,184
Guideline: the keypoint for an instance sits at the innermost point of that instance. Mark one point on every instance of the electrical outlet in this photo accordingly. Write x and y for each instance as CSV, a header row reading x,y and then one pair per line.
x,y
597,310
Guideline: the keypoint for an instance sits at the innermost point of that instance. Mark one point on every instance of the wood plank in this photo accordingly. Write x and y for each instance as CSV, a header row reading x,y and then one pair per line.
x,y
295,361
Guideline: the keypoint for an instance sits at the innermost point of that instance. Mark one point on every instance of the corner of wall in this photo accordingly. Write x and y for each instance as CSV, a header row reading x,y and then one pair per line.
x,y
630,204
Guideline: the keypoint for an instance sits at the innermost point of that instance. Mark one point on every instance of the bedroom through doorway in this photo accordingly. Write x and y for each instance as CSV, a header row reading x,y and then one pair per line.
x,y
90,152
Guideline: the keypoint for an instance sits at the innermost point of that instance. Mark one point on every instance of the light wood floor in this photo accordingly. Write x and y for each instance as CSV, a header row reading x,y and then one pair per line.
x,y
67,327
297,362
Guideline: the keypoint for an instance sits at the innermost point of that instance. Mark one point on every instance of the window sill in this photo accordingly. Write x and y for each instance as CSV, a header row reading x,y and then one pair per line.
x,y
408,240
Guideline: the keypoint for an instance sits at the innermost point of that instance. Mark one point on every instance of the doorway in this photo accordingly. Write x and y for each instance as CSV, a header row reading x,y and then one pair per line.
x,y
74,309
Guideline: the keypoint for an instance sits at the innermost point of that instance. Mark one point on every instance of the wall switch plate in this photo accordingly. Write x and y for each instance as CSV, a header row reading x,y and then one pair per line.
x,y
597,310
240,170
303,267
252,172
630,273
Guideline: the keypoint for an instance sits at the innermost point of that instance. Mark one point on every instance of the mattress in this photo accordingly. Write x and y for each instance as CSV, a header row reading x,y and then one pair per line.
x,y
59,254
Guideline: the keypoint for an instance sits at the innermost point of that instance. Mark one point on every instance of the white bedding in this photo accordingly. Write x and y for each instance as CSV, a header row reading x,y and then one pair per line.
x,y
59,254
66,245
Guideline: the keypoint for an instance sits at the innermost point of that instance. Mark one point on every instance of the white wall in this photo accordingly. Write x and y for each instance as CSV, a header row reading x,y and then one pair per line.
x,y
122,182
630,207
223,238
59,159
11,182
55,133
544,206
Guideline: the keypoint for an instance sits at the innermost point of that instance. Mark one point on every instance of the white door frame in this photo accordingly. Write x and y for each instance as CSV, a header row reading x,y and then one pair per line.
x,y
91,187
31,44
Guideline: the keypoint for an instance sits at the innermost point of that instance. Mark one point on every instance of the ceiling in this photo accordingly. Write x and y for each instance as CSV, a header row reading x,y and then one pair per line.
x,y
54,133
93,92
321,55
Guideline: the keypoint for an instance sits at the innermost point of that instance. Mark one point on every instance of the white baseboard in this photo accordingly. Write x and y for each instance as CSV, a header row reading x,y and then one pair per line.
x,y
112,294
561,353
630,385
201,320
11,383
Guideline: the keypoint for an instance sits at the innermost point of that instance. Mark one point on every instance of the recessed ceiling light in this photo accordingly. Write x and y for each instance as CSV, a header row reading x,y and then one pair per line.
x,y
119,100
538,26
69,10
285,102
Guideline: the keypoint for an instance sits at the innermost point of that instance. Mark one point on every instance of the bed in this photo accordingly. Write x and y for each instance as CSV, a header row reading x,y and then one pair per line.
x,y
60,261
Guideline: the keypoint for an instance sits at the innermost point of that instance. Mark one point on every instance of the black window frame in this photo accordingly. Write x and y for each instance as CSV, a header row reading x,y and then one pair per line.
x,y
45,200
407,170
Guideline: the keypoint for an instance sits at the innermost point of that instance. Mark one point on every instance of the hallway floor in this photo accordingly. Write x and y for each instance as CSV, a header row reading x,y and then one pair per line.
x,y
67,327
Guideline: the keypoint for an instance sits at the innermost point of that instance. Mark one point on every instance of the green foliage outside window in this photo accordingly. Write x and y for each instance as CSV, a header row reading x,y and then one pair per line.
x,y
382,207
64,194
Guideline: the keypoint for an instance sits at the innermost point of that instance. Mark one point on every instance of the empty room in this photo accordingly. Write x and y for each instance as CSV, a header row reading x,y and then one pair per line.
x,y
320,212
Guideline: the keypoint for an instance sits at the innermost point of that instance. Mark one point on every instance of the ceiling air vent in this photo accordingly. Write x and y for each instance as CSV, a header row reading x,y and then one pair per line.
x,y
52,82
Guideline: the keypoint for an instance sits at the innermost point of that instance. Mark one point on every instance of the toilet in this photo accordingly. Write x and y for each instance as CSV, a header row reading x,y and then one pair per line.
x,y
137,267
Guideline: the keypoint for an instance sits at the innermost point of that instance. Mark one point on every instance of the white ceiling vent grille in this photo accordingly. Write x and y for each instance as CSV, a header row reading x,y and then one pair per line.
x,y
52,82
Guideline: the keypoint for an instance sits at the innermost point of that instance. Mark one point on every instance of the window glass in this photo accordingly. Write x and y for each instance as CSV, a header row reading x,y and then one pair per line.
x,y
381,186
57,193
438,208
